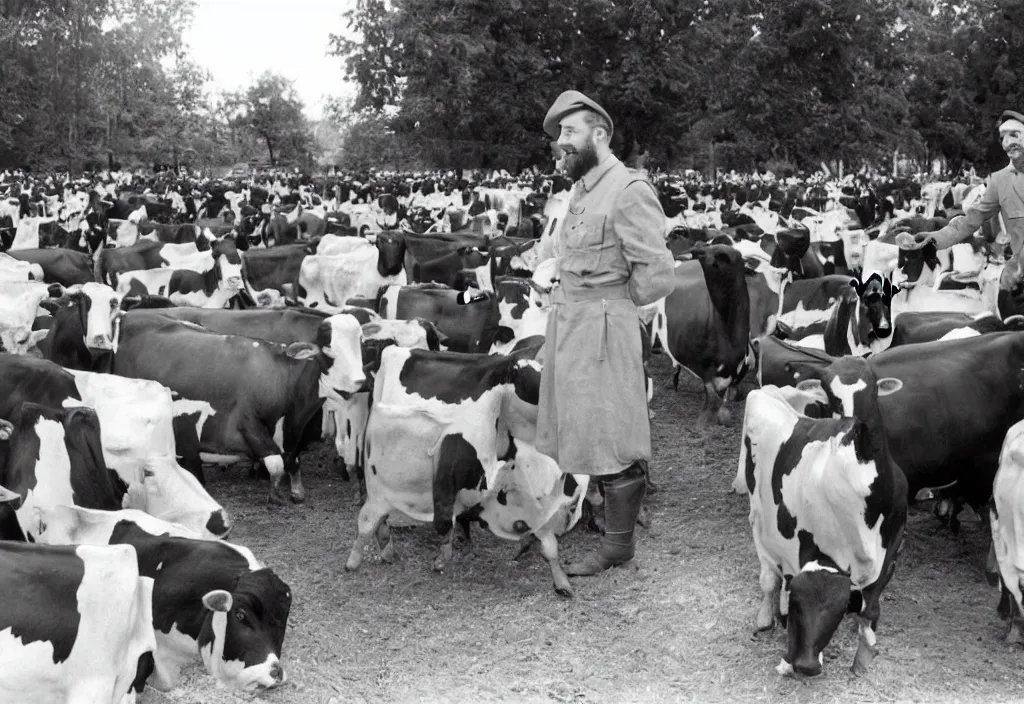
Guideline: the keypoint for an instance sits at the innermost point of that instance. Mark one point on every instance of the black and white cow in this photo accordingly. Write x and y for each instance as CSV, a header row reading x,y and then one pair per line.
x,y
59,266
54,455
213,288
330,280
264,421
441,433
703,324
828,507
79,635
212,601
135,433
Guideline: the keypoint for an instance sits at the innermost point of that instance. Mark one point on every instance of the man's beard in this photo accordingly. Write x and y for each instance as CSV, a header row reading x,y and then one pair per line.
x,y
578,164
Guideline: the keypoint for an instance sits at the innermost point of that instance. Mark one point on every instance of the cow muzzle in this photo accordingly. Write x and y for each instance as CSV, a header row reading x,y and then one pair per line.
x,y
100,342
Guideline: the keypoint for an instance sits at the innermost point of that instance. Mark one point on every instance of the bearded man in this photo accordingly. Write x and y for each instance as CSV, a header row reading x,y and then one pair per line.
x,y
612,257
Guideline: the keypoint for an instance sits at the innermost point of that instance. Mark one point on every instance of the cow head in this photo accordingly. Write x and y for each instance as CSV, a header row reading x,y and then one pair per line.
x,y
849,382
228,262
874,310
818,599
18,306
912,264
391,259
340,356
100,309
243,632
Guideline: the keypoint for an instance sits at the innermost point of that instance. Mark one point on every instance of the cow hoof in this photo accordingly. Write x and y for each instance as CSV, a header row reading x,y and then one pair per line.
x,y
298,498
388,554
276,498
564,591
954,525
724,417
354,560
341,468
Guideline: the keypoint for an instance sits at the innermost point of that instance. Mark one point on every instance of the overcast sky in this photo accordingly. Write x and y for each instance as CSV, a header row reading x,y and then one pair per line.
x,y
237,40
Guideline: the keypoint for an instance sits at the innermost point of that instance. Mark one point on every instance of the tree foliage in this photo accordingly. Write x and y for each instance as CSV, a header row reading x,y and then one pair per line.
x,y
94,82
271,109
734,82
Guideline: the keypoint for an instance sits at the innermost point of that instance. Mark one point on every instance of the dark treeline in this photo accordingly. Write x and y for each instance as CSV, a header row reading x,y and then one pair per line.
x,y
741,84
90,83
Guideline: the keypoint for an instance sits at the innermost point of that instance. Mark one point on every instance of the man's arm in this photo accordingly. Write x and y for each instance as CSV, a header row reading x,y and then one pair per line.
x,y
639,223
961,228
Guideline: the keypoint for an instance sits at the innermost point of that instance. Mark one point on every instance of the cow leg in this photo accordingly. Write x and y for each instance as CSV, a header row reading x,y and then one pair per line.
x,y
261,444
462,540
715,404
275,467
444,555
371,515
771,586
386,543
525,543
867,619
328,426
1004,609
549,549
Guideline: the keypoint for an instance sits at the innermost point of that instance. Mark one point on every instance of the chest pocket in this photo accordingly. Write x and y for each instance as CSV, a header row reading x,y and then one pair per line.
x,y
1011,207
587,243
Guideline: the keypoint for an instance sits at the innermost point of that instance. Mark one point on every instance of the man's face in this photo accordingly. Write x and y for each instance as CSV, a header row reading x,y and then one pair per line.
x,y
1012,138
577,141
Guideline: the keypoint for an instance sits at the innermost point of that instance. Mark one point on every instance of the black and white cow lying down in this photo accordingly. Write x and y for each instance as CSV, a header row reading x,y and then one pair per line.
x,y
80,635
212,601
125,429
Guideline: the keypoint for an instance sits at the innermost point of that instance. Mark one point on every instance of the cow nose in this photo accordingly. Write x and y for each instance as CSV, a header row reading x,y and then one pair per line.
x,y
520,527
807,668
277,672
98,340
219,524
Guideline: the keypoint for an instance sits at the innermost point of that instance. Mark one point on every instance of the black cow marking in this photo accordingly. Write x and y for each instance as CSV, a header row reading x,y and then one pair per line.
x,y
458,468
750,468
502,497
48,612
570,486
474,380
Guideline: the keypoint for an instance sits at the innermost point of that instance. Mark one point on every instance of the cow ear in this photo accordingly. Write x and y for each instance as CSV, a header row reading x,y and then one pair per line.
x,y
889,385
370,329
808,385
217,600
302,350
857,286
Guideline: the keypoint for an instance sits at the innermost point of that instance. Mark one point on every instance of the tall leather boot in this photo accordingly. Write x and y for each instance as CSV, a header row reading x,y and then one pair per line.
x,y
623,495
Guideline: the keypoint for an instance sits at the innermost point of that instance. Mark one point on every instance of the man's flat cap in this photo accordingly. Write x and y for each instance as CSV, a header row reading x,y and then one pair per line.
x,y
569,102
1007,115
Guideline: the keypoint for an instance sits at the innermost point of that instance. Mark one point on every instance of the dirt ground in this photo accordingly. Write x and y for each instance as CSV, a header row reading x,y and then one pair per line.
x,y
675,625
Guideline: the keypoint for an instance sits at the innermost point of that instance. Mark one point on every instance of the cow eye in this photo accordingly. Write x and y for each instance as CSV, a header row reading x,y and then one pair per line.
x,y
240,615
148,473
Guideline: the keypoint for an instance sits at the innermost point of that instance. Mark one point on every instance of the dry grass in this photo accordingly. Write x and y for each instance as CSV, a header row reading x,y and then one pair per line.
x,y
674,626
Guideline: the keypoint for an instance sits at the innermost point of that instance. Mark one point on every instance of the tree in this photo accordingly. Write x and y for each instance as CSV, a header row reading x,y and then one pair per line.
x,y
272,110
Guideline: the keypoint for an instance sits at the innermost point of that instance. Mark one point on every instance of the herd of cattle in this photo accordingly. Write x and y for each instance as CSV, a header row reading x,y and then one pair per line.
x,y
145,334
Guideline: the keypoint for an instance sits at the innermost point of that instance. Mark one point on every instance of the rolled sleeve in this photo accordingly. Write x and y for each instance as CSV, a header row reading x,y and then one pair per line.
x,y
639,223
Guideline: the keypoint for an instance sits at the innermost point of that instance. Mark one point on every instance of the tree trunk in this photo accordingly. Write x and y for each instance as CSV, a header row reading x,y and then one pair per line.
x,y
270,148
